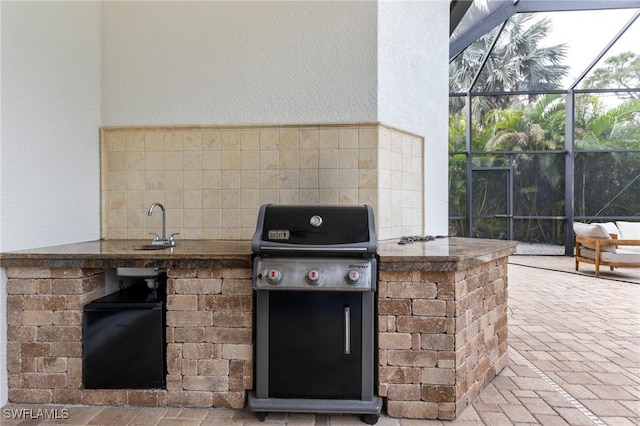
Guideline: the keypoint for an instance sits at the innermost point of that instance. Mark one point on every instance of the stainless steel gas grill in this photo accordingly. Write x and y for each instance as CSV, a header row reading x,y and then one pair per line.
x,y
315,276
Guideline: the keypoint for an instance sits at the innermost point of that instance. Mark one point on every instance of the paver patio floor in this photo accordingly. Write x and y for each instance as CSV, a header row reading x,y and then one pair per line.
x,y
574,360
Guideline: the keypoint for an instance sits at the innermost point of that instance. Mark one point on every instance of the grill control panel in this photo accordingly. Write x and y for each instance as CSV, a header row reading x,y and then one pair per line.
x,y
337,274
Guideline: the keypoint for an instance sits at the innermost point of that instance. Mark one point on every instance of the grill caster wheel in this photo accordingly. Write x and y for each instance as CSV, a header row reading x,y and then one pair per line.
x,y
370,419
262,416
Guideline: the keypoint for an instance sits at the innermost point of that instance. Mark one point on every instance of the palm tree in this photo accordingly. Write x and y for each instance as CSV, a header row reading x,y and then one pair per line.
x,y
517,62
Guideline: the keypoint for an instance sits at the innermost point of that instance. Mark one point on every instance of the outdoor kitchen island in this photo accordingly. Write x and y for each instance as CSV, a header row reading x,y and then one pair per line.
x,y
442,322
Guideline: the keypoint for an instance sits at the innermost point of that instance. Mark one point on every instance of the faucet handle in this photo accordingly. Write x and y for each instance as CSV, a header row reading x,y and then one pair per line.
x,y
156,237
173,240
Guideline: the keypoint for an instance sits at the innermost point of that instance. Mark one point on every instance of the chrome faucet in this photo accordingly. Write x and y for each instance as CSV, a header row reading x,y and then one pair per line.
x,y
157,240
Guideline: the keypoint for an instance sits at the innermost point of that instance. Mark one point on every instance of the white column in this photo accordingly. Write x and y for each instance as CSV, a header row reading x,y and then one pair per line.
x,y
413,90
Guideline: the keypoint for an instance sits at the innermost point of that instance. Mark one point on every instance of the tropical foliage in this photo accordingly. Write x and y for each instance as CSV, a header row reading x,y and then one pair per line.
x,y
529,141
607,183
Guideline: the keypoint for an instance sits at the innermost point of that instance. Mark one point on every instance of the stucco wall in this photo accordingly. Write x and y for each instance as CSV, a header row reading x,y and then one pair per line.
x,y
49,188
229,63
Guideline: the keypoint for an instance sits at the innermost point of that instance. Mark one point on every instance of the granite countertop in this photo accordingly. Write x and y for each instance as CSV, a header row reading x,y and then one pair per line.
x,y
442,254
122,253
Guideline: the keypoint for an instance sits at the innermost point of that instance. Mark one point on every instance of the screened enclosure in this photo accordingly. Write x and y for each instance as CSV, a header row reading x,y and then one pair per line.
x,y
544,119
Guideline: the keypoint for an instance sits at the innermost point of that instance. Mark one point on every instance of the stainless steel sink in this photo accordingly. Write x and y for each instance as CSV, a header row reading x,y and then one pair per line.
x,y
151,247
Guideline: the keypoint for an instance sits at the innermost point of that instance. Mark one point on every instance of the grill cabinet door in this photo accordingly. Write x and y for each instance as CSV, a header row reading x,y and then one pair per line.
x,y
315,344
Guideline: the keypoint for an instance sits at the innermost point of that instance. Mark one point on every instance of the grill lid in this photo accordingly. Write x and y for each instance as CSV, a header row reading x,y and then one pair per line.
x,y
315,228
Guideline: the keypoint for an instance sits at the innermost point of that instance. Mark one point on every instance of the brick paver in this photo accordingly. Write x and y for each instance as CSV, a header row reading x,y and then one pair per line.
x,y
574,360
583,333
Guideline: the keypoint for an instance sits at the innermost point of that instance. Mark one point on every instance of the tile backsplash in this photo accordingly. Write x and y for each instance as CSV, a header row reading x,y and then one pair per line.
x,y
212,180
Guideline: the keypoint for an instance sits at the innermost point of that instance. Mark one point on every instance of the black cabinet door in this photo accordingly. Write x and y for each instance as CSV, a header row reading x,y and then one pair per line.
x,y
123,348
315,344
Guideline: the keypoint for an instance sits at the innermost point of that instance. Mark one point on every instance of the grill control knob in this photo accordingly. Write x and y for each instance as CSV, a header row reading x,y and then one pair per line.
x,y
274,277
313,277
353,276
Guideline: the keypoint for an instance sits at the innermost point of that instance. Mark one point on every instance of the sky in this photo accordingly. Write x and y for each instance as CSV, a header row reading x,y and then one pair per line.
x,y
587,32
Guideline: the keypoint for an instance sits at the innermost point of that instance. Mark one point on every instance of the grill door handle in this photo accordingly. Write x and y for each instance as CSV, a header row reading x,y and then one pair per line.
x,y
347,330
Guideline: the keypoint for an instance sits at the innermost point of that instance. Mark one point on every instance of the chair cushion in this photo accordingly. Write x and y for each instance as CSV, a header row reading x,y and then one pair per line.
x,y
621,256
609,228
590,230
629,230
596,230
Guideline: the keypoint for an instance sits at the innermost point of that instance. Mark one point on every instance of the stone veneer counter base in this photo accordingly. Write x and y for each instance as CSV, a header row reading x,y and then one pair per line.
x,y
442,322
